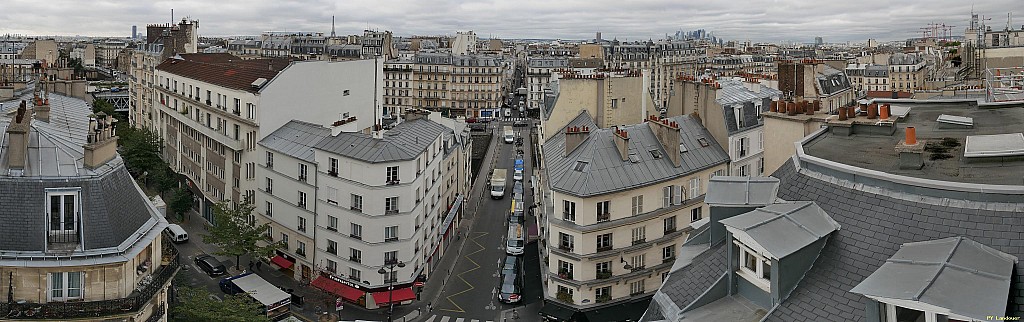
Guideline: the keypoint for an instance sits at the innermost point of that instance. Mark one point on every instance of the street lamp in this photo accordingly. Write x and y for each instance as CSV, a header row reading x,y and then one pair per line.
x,y
391,285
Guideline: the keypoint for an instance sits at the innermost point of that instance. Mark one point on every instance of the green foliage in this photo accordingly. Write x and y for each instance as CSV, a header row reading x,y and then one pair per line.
x,y
197,305
140,149
235,236
564,297
180,202
99,105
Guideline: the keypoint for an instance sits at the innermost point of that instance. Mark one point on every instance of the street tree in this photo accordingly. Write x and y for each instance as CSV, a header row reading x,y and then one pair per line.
x,y
196,304
237,235
180,202
140,149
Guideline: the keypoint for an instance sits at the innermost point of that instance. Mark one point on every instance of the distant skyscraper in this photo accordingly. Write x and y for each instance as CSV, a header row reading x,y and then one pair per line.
x,y
135,31
818,41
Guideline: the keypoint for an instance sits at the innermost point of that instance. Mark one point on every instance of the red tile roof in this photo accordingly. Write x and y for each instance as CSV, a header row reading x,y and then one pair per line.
x,y
224,70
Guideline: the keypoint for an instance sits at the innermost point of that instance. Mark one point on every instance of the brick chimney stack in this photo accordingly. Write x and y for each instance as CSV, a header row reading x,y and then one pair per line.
x,y
622,143
574,137
667,132
42,109
101,141
17,132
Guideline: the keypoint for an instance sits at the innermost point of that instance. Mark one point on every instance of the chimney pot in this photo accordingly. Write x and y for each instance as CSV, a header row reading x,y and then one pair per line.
x,y
842,113
883,112
911,136
851,112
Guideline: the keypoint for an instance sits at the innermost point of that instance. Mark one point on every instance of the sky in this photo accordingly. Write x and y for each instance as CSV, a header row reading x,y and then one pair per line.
x,y
754,20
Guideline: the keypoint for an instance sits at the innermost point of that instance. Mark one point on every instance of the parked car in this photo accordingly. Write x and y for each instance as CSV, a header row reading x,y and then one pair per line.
x,y
510,292
471,120
510,266
210,265
517,188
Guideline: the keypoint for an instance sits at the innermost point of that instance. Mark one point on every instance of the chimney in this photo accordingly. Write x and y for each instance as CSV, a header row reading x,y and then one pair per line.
x,y
17,132
842,113
808,107
344,124
791,108
42,109
101,141
622,143
415,114
774,107
873,111
667,133
851,112
883,112
911,151
574,137
817,105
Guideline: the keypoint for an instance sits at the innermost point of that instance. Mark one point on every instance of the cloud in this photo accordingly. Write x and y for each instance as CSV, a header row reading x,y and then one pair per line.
x,y
755,20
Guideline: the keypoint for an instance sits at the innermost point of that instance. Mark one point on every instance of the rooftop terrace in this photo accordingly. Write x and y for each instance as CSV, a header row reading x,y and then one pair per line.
x,y
869,145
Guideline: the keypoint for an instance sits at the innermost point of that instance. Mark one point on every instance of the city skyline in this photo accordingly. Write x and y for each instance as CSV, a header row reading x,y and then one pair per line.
x,y
783,20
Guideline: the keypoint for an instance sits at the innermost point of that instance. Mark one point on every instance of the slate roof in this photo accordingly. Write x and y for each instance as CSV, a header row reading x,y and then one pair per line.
x,y
296,138
607,172
831,80
234,74
959,274
875,224
741,191
784,228
733,93
113,209
405,141
684,285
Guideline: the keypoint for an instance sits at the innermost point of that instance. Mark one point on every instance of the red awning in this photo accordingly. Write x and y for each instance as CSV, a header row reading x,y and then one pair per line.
x,y
346,292
402,294
281,261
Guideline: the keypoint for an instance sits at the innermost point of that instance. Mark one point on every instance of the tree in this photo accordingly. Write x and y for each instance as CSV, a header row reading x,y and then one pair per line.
x,y
196,304
180,202
140,149
236,236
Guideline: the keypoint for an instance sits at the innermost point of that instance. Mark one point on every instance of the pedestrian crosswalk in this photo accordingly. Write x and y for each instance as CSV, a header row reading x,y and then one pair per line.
x,y
516,119
443,318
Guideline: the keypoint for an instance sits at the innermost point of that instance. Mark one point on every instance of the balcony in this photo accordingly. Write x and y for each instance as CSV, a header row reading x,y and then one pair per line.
x,y
359,237
604,248
601,275
603,217
355,259
565,247
393,182
639,241
142,296
390,239
332,250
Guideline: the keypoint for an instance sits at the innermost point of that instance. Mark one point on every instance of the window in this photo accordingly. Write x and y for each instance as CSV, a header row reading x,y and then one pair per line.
x,y
743,147
603,269
391,205
357,202
603,210
603,294
301,250
270,185
695,214
638,262
392,175
284,238
568,211
760,166
270,160
332,247
565,290
673,195
356,231
332,266
638,205
66,285
331,195
63,216
754,267
391,233
580,166
670,224
604,242
639,235
668,253
355,255
302,172
333,171
302,200
694,188
391,257
564,269
744,170
615,103
332,223
355,274
565,241
270,209
636,287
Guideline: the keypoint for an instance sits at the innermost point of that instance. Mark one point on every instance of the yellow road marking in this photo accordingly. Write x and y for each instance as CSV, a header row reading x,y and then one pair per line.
x,y
449,298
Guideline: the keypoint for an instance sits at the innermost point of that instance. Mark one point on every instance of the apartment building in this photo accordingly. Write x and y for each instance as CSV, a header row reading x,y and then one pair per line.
x,y
539,72
815,80
731,111
456,86
398,85
382,198
464,43
376,43
162,41
81,241
107,51
906,72
617,204
211,107
612,98
667,59
868,78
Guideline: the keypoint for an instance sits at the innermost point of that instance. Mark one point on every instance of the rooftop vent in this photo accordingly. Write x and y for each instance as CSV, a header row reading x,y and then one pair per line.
x,y
259,82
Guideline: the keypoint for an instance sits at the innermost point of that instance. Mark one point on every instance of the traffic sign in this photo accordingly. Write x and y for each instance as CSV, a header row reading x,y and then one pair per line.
x,y
338,305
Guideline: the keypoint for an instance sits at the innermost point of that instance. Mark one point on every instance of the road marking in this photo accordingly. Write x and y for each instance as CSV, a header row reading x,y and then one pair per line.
x,y
471,287
445,318
460,320
431,319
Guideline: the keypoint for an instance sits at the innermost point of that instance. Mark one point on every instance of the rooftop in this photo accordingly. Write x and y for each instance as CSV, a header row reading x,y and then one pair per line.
x,y
877,151
405,141
604,171
296,138
55,147
741,191
784,228
220,70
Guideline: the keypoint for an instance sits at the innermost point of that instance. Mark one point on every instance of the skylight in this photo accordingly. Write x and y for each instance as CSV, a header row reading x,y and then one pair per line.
x,y
656,154
580,166
703,142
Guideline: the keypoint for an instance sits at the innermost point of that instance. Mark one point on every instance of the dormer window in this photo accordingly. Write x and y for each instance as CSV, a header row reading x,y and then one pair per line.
x,y
63,217
754,267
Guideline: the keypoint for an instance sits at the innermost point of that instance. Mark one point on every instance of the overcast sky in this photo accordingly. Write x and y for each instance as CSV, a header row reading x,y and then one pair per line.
x,y
755,20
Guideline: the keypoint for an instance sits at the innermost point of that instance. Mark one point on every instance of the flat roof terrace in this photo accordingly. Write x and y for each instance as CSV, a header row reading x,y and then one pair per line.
x,y
868,144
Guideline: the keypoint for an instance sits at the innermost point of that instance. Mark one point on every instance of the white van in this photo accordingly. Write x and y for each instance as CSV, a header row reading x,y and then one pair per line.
x,y
515,243
176,233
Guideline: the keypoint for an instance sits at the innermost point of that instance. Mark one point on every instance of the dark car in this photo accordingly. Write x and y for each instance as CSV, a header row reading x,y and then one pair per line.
x,y
471,120
210,265
510,292
510,267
